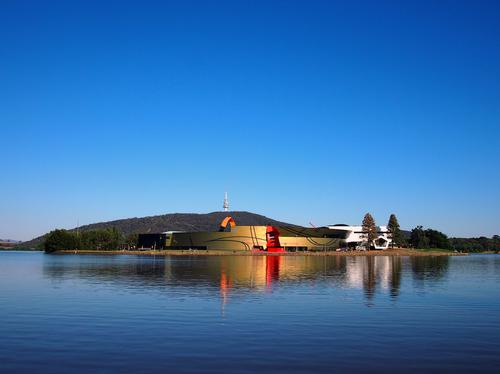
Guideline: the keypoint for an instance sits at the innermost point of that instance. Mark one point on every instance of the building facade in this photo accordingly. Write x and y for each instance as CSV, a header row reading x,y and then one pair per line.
x,y
231,237
356,237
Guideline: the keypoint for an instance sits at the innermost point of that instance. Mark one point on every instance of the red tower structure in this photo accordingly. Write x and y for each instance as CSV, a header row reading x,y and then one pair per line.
x,y
273,240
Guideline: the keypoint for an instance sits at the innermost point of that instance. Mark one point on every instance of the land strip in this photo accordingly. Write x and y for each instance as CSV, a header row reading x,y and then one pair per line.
x,y
172,252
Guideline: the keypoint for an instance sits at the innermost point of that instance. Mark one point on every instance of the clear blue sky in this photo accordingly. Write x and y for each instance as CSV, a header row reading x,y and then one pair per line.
x,y
303,111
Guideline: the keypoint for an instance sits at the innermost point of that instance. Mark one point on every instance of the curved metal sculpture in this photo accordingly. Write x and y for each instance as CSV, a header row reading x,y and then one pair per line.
x,y
228,220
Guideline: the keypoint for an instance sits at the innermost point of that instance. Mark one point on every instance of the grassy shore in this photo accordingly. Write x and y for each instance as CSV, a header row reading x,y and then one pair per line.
x,y
388,252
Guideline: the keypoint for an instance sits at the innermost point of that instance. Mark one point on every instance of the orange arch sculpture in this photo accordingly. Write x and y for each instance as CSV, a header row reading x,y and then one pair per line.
x,y
228,220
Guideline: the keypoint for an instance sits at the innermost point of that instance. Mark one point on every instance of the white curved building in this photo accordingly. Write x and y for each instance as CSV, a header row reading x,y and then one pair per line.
x,y
355,236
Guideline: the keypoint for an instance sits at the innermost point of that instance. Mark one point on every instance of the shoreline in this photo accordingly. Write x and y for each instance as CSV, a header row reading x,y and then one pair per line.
x,y
171,252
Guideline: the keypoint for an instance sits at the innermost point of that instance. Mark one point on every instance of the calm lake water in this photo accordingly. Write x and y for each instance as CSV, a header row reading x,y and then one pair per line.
x,y
81,313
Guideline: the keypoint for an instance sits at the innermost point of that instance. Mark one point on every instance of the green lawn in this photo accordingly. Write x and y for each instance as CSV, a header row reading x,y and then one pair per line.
x,y
427,250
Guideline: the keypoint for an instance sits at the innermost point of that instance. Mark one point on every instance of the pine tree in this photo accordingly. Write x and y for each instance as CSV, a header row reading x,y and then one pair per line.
x,y
395,231
369,229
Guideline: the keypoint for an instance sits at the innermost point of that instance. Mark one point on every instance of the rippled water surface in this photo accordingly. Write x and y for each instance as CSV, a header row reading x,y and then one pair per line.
x,y
81,313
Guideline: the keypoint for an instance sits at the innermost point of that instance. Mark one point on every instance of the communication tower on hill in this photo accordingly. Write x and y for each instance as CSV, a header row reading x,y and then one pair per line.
x,y
226,203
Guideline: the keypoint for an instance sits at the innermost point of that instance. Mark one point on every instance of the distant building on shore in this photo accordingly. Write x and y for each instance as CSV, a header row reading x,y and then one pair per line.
x,y
230,237
355,236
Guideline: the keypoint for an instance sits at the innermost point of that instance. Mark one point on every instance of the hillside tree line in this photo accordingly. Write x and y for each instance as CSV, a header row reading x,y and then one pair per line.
x,y
103,240
480,244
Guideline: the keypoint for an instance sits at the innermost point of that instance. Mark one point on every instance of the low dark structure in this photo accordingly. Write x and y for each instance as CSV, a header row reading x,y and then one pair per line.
x,y
152,241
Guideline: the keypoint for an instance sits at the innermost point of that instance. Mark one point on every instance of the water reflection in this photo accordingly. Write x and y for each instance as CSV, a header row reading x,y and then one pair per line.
x,y
234,275
372,272
429,267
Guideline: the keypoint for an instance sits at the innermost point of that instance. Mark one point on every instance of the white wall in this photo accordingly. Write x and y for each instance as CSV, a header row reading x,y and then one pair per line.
x,y
355,234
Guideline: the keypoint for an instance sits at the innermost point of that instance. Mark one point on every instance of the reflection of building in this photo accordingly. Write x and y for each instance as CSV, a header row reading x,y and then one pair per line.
x,y
261,272
239,276
254,271
355,236
369,271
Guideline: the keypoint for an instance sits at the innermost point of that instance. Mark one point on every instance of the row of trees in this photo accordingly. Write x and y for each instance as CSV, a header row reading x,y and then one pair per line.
x,y
418,238
395,233
480,244
107,240
429,238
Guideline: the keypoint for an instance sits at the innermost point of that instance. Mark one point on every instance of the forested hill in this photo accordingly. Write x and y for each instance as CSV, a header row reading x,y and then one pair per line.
x,y
171,222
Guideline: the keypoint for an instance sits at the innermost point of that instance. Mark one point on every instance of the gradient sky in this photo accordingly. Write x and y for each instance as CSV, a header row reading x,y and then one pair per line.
x,y
312,111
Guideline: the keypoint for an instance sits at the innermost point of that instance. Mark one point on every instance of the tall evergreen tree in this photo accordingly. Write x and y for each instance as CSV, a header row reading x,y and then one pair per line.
x,y
369,229
395,231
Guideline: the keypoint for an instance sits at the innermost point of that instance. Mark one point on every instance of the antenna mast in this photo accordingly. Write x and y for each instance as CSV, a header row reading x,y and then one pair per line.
x,y
226,203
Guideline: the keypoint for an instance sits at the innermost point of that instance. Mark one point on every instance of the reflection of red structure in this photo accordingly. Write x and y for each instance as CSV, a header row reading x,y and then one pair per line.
x,y
226,283
273,240
272,269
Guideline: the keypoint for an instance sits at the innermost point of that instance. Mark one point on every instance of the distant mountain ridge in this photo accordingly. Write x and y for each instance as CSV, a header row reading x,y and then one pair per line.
x,y
172,222
9,243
